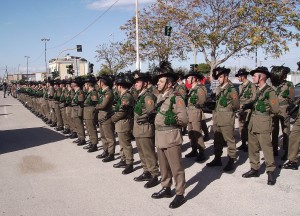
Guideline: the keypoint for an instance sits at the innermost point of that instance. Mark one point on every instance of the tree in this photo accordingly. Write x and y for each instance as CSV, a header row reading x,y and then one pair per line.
x,y
203,68
153,43
112,57
221,29
104,70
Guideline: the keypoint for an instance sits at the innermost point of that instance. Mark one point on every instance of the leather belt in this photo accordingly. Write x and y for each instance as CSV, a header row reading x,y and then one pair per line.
x,y
166,128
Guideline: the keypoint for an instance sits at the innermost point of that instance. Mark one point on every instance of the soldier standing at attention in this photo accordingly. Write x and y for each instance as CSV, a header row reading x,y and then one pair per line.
x,y
69,108
123,123
294,144
143,131
56,102
259,134
89,113
285,93
106,126
226,104
77,110
196,98
171,117
246,95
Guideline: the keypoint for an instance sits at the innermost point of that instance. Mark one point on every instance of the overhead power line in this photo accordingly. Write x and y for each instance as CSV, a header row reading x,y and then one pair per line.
x,y
86,28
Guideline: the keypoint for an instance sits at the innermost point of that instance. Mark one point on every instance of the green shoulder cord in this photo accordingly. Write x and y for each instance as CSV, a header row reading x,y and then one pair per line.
x,y
169,114
101,93
285,93
88,98
75,99
139,105
118,104
247,94
62,97
194,97
261,106
223,99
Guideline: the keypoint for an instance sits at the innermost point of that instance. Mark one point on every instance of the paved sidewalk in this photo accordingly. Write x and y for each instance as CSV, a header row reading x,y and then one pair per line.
x,y
43,173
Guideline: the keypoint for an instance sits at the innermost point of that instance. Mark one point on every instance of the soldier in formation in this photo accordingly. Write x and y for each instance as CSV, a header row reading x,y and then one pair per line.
x,y
154,111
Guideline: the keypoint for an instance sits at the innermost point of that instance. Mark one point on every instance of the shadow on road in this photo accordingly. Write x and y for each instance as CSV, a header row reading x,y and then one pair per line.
x,y
15,140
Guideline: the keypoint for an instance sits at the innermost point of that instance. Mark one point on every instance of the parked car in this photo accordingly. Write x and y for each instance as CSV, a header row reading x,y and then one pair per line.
x,y
297,90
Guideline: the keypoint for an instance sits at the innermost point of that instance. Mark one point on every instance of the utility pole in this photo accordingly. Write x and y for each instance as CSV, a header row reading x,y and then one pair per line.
x,y
27,65
137,36
45,40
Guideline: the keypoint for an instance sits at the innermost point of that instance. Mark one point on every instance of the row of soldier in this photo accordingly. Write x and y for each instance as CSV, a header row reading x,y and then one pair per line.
x,y
157,114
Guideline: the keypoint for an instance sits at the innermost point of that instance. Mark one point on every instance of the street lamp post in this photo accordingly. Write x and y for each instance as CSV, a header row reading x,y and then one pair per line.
x,y
27,65
137,35
45,40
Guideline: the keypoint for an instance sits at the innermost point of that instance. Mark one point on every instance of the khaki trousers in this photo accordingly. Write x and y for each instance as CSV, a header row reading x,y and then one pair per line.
x,y
224,133
126,151
171,166
108,137
294,141
259,141
146,150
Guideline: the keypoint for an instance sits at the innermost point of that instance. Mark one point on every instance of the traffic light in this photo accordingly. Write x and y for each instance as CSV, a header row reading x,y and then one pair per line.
x,y
91,68
168,30
79,48
193,67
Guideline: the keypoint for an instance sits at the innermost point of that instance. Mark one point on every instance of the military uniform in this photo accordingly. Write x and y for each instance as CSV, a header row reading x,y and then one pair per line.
x,y
143,131
285,94
56,104
294,144
123,125
106,126
197,97
89,116
247,93
226,104
260,128
77,115
168,140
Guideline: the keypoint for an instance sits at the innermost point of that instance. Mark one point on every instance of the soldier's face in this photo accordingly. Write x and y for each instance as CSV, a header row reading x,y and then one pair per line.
x,y
240,78
138,85
256,78
221,79
161,83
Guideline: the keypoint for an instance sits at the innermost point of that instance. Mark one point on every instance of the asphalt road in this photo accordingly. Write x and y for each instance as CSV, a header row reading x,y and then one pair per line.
x,y
44,173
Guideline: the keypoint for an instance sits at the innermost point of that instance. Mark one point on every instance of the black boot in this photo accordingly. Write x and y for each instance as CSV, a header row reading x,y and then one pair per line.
x,y
109,158
193,153
215,162
230,165
103,155
290,165
66,131
177,202
201,157
128,169
73,135
163,193
76,141
81,143
87,146
152,182
251,173
145,176
59,128
121,164
271,178
93,148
